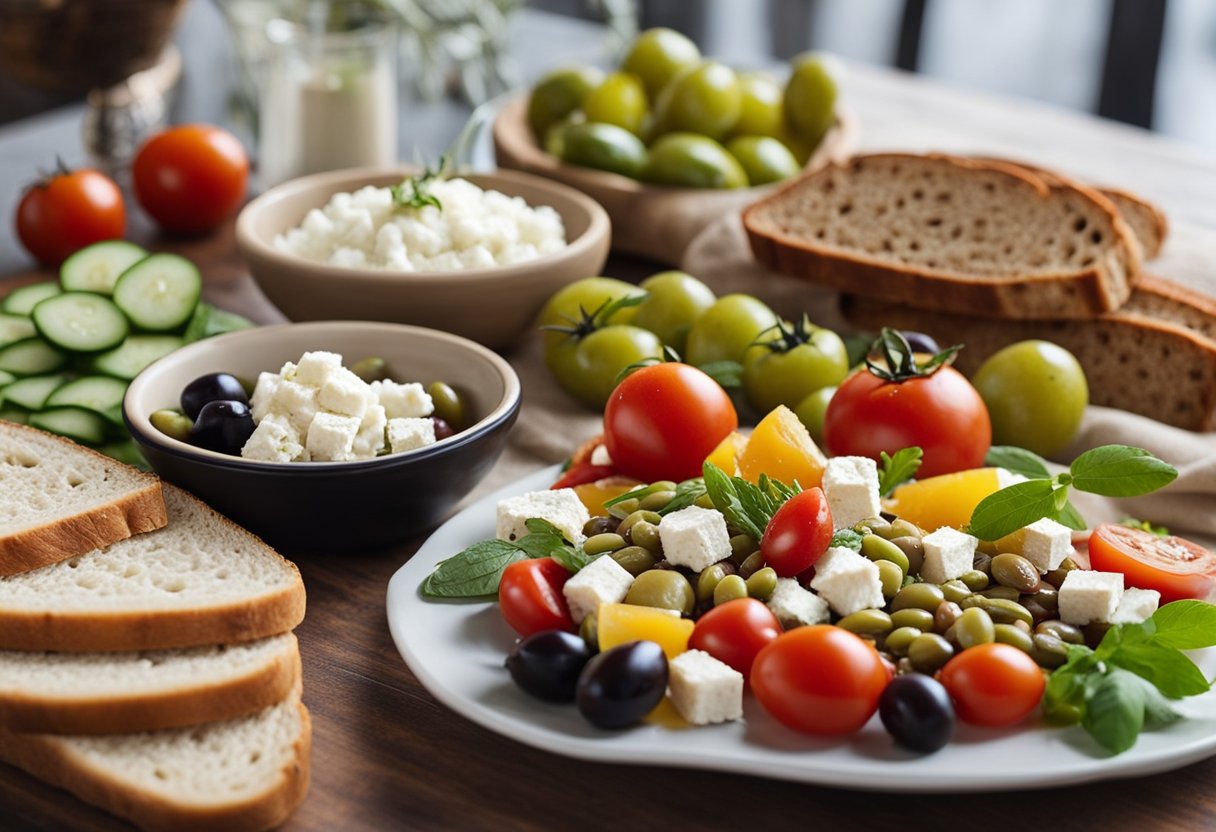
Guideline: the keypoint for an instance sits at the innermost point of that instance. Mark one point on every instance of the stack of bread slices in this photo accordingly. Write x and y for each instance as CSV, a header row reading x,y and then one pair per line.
x,y
147,663
987,253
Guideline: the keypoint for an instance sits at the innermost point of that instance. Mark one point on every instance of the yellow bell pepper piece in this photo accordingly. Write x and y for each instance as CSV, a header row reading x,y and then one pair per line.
x,y
618,624
948,499
726,455
781,447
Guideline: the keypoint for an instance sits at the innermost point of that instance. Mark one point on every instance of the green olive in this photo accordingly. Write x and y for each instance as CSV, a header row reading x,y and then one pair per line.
x,y
752,564
912,548
658,55
663,588
1016,571
876,548
634,559
1049,651
929,652
869,622
588,631
621,100
656,500
1056,576
913,617
449,405
172,423
741,547
762,583
1064,632
1003,611
810,98
974,627
370,369
604,147
764,159
899,639
601,543
729,588
1009,634
922,596
705,99
974,580
690,161
945,615
635,516
761,112
646,534
708,581
955,590
558,94
891,577
1006,593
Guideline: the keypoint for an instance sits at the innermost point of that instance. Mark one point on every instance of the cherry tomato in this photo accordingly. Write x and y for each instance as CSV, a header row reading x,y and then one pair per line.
x,y
530,596
793,363
735,632
583,473
68,211
799,533
820,680
663,420
726,330
942,413
993,684
1174,567
190,178
674,302
583,297
587,366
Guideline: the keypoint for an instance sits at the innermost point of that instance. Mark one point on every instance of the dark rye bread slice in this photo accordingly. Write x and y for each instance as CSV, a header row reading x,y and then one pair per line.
x,y
949,234
1156,356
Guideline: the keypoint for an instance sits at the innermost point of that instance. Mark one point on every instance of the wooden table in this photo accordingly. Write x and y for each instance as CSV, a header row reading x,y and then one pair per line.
x,y
388,755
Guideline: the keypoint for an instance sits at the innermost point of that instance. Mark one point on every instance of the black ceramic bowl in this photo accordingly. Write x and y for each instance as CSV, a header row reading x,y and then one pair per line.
x,y
333,506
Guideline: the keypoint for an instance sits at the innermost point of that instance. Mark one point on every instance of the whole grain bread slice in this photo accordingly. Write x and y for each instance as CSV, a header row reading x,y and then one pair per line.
x,y
949,234
243,774
201,580
59,499
123,693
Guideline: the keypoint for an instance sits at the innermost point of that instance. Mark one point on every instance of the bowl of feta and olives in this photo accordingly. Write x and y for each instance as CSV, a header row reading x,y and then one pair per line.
x,y
332,436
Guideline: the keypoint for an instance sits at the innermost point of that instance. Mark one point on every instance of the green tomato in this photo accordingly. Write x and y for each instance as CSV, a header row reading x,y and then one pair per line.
x,y
727,329
674,301
811,410
603,147
587,367
705,99
765,159
790,372
1036,394
686,160
658,55
557,95
620,100
568,305
761,112
810,97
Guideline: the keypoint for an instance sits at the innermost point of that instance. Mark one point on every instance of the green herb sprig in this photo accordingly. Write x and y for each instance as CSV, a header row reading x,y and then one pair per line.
x,y
846,539
476,571
747,507
898,469
415,191
687,493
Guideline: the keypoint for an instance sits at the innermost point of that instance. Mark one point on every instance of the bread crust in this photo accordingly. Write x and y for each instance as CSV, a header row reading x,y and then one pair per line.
x,y
133,513
52,761
1083,293
193,703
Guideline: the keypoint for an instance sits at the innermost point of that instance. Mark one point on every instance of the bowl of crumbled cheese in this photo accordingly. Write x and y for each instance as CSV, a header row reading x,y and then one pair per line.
x,y
476,255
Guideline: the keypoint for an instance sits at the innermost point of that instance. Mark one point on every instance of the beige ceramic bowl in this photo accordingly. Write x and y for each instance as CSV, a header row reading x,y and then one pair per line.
x,y
493,306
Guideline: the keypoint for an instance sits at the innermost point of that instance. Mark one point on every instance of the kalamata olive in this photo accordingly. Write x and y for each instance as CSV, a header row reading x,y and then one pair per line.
x,y
620,686
442,429
223,426
213,387
920,342
547,664
917,712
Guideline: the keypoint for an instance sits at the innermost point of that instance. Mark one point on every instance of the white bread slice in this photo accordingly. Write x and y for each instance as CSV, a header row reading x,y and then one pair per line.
x,y
59,499
949,234
242,774
201,580
124,693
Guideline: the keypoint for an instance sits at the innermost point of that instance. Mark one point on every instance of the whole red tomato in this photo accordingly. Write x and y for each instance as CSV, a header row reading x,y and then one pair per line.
x,y
663,420
190,178
1175,567
877,409
993,684
67,211
530,596
735,632
799,533
820,680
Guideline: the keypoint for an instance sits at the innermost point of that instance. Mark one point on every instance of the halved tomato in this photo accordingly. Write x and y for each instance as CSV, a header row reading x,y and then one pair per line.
x,y
1175,567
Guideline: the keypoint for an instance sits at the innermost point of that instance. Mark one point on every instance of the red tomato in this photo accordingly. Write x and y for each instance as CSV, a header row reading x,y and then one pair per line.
x,y
663,420
1174,567
993,684
799,533
941,413
68,211
820,680
735,632
530,596
190,178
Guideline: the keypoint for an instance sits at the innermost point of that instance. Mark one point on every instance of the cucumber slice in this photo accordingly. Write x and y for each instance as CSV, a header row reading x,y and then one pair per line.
x,y
159,293
22,301
15,327
32,393
31,357
73,422
207,321
100,393
81,322
128,452
135,353
5,378
12,414
96,268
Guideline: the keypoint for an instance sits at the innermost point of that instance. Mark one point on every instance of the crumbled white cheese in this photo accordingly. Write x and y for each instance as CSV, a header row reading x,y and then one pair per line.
x,y
603,581
847,581
1045,543
694,537
850,484
948,554
559,506
705,690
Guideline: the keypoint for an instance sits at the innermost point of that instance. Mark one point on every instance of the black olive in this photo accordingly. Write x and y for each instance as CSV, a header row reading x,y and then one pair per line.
x,y
916,710
213,387
222,426
620,686
547,664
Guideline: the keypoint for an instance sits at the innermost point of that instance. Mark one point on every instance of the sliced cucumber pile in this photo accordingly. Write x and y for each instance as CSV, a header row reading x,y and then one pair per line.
x,y
69,348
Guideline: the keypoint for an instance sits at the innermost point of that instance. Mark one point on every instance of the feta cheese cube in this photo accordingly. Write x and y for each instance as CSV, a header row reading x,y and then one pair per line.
x,y
263,393
288,371
850,484
795,606
1045,543
331,437
694,537
560,506
273,440
370,439
344,392
948,554
1087,596
600,456
296,402
847,581
315,368
603,581
403,401
703,689
410,434
1136,605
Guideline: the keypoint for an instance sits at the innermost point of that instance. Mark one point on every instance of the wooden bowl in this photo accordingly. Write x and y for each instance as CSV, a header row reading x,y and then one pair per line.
x,y
650,221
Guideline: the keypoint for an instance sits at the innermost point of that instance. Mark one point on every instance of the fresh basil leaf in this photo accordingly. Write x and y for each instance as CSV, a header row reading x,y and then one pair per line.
x,y
1158,711
474,572
728,374
1069,516
898,468
1114,710
1120,471
1011,508
1185,625
721,489
544,540
778,491
1170,671
846,539
571,558
1018,460
1124,635
1064,697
